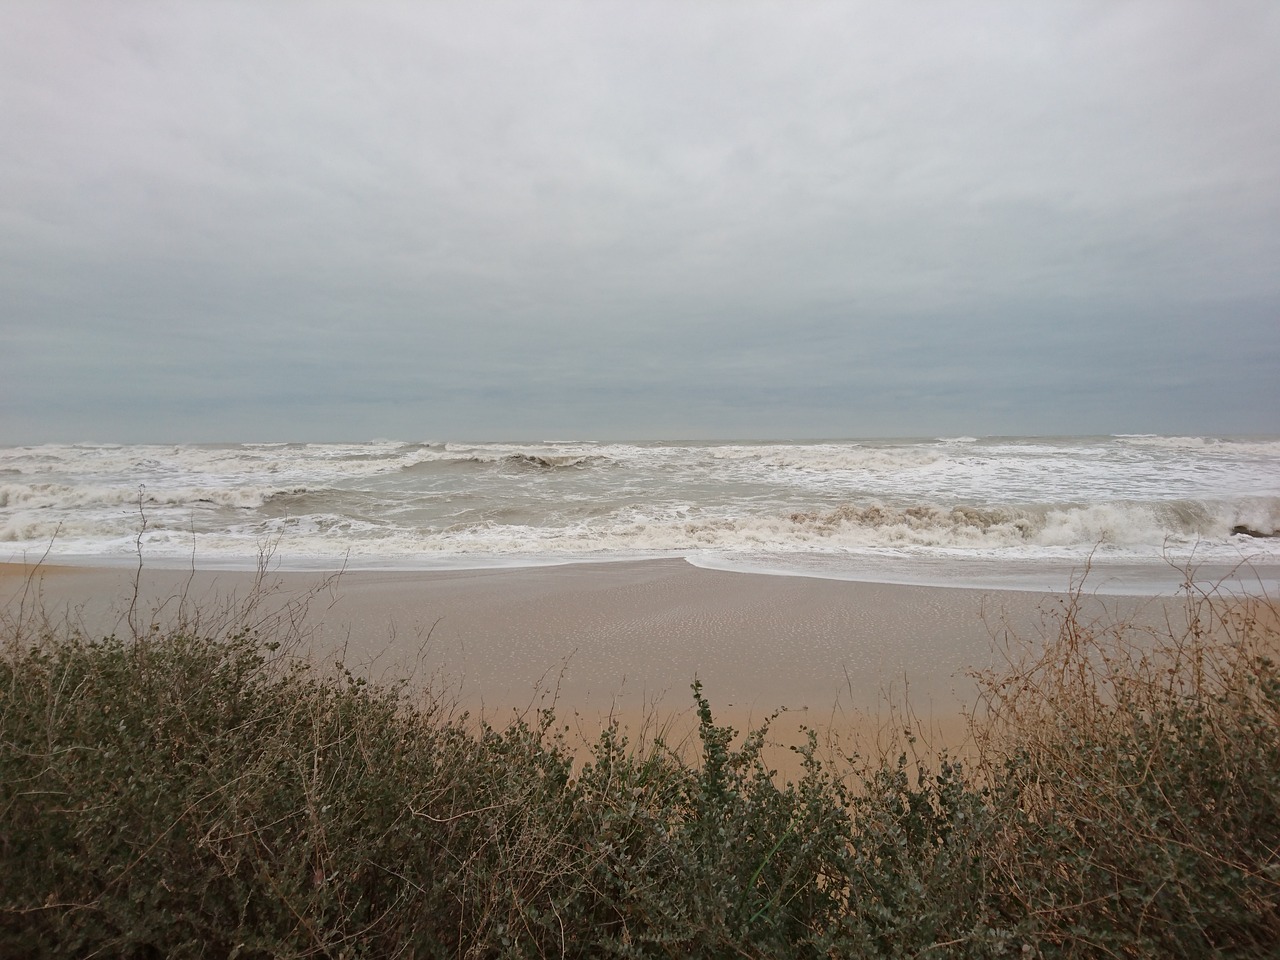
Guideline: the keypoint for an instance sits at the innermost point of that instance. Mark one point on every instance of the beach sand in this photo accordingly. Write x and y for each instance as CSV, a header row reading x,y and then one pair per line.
x,y
621,638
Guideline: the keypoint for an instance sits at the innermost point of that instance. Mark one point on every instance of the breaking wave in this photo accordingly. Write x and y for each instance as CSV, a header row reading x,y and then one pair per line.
x,y
1058,525
1138,527
548,461
58,496
537,461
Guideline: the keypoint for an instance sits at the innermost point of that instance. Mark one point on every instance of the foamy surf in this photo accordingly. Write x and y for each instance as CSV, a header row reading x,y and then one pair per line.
x,y
1002,510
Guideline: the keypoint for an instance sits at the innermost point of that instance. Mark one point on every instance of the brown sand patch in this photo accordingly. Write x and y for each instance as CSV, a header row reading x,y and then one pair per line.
x,y
624,639
22,571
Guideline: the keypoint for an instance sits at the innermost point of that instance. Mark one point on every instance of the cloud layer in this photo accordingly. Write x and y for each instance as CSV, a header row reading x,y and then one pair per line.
x,y
330,221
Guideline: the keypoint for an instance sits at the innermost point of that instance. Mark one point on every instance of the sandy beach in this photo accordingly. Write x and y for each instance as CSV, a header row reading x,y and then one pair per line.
x,y
621,637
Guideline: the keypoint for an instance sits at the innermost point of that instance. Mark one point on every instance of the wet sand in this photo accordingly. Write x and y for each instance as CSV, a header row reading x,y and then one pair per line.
x,y
609,637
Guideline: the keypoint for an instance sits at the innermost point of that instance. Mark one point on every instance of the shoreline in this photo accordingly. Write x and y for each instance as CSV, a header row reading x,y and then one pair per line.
x,y
623,637
1111,577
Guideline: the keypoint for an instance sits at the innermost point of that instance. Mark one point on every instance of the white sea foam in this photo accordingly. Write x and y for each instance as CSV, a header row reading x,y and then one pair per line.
x,y
833,506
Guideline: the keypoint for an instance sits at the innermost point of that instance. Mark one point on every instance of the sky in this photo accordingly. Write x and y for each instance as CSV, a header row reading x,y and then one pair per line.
x,y
637,220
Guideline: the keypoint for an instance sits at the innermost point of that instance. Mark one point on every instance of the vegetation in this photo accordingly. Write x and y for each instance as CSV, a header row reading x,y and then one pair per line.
x,y
199,790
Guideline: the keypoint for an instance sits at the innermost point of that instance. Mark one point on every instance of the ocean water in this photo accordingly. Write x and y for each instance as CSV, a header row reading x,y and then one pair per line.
x,y
994,511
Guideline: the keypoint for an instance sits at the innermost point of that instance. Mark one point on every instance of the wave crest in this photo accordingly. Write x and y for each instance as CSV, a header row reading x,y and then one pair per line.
x,y
537,461
920,518
59,496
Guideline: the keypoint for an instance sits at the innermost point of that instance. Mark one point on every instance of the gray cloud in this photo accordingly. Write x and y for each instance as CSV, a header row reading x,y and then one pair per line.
x,y
229,221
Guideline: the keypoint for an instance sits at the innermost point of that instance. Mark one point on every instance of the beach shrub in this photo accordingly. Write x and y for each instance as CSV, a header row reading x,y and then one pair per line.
x,y
1137,773
918,878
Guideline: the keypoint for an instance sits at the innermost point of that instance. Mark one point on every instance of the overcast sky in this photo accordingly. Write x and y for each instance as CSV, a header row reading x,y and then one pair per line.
x,y
525,220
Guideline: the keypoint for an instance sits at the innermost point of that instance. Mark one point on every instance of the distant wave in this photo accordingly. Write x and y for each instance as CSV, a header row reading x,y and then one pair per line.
x,y
539,461
552,461
826,457
59,496
1261,447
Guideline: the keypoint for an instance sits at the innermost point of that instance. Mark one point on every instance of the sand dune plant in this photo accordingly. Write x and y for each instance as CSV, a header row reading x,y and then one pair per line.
x,y
1137,773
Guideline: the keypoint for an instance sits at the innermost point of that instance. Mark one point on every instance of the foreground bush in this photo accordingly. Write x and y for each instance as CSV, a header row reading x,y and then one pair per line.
x,y
1138,782
189,792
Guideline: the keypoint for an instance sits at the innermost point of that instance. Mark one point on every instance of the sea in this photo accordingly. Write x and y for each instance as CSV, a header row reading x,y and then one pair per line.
x,y
1118,514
